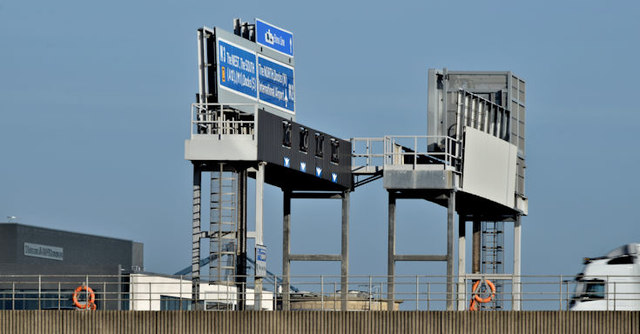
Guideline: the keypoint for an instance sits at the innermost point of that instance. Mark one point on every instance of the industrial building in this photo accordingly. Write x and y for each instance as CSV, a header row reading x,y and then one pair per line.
x,y
40,268
31,250
33,258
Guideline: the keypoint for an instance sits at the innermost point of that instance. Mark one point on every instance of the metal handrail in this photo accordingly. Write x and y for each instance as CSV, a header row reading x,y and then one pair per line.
x,y
404,150
218,119
145,291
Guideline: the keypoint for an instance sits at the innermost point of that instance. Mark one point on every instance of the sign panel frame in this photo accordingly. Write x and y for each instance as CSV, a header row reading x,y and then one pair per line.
x,y
43,251
223,60
274,37
289,92
261,261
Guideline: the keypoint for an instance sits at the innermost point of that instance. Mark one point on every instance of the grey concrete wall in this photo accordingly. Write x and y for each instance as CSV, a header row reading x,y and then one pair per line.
x,y
187,322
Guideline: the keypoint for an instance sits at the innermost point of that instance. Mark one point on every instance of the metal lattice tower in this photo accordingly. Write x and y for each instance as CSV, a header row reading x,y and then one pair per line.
x,y
492,258
223,226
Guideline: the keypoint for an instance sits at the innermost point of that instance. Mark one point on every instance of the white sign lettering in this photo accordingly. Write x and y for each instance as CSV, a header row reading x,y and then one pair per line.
x,y
43,251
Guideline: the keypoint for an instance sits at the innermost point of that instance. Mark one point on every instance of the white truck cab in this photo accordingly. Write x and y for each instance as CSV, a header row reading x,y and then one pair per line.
x,y
610,282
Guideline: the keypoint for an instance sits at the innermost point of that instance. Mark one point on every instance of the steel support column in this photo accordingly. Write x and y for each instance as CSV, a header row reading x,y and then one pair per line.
x,y
462,255
451,210
286,248
516,288
344,260
259,234
391,252
476,246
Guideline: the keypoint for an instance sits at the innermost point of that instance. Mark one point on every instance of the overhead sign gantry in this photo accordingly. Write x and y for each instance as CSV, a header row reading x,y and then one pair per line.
x,y
243,124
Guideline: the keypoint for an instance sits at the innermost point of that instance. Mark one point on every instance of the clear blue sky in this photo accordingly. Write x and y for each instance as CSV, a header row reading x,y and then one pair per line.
x,y
94,109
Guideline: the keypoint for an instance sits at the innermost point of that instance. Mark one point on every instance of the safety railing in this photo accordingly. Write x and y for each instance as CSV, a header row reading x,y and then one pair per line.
x,y
161,292
370,155
223,119
367,155
416,150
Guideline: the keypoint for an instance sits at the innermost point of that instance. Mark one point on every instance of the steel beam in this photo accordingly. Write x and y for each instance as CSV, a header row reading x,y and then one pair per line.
x,y
314,257
319,195
411,257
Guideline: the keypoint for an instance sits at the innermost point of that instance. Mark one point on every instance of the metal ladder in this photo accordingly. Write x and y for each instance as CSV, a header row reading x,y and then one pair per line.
x,y
223,228
492,257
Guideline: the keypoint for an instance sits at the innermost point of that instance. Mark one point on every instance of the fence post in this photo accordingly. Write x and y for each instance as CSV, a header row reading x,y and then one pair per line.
x,y
59,297
86,292
614,296
322,292
560,297
428,296
335,297
417,293
370,293
39,290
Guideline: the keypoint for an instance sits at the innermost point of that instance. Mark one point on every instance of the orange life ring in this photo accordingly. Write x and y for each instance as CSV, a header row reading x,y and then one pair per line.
x,y
90,303
476,297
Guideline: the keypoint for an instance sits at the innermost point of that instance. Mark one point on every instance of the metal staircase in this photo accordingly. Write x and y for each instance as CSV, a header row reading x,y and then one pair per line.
x,y
223,241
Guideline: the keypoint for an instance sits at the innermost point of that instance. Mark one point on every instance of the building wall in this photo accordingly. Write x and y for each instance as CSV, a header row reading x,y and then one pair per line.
x,y
147,290
77,259
82,253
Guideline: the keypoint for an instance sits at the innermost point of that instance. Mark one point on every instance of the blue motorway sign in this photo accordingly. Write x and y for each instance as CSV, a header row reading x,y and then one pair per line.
x,y
237,69
274,37
276,84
